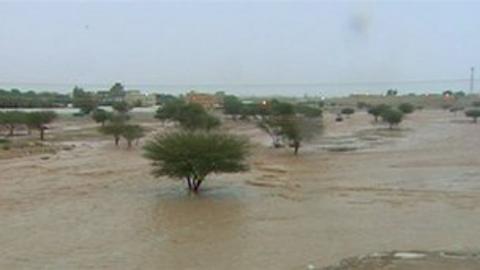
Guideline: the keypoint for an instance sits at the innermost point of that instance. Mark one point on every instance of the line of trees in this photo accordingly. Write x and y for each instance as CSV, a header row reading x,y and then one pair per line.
x,y
12,120
29,99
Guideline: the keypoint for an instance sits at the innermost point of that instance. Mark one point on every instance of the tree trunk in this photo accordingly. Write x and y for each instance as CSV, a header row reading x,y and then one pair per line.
x,y
376,118
390,126
129,144
296,146
117,139
12,129
42,132
189,182
197,185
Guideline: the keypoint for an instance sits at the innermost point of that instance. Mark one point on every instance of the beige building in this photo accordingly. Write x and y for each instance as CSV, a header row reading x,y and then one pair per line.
x,y
139,99
208,101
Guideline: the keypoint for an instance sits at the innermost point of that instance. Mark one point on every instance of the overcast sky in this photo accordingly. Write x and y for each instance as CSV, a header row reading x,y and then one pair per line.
x,y
237,43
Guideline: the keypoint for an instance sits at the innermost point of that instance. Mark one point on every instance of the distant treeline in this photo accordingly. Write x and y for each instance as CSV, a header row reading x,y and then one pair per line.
x,y
17,99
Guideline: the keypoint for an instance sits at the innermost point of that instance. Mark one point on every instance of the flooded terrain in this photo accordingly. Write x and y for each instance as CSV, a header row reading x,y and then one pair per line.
x,y
358,190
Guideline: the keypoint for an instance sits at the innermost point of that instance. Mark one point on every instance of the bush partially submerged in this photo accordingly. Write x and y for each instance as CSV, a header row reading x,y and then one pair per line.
x,y
473,113
392,116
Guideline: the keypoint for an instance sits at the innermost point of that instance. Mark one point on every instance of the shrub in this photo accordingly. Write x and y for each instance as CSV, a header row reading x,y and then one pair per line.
x,y
114,129
347,111
194,155
473,113
392,117
377,110
101,116
406,108
131,133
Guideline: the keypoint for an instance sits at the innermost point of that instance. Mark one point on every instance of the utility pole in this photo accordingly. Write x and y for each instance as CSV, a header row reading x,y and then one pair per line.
x,y
472,79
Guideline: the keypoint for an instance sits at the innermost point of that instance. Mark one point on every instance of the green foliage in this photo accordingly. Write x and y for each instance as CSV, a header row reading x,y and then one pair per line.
x,y
33,120
117,90
17,99
473,113
115,129
377,110
232,106
39,120
281,108
85,101
131,133
392,117
348,111
101,116
392,92
170,110
308,111
121,107
291,129
191,116
165,98
194,155
406,108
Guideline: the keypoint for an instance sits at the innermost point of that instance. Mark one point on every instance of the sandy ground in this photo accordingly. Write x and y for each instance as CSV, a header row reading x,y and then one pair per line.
x,y
98,207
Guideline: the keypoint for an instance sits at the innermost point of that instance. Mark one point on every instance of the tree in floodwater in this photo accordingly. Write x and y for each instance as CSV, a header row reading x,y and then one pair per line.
x,y
392,116
39,120
297,129
101,116
131,133
115,129
377,110
473,113
194,155
11,119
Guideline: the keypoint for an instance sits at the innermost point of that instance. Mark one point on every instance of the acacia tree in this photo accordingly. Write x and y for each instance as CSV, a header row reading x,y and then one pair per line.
x,y
101,116
473,113
377,110
39,120
392,117
297,129
131,133
114,129
194,155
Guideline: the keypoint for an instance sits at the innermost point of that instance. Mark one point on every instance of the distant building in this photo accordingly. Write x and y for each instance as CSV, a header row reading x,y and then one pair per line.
x,y
208,101
138,99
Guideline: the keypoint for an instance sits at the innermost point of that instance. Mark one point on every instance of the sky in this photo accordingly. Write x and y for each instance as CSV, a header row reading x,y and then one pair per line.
x,y
237,43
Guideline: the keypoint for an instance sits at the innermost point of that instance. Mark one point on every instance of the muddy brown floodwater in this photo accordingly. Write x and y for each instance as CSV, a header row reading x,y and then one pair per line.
x,y
97,207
